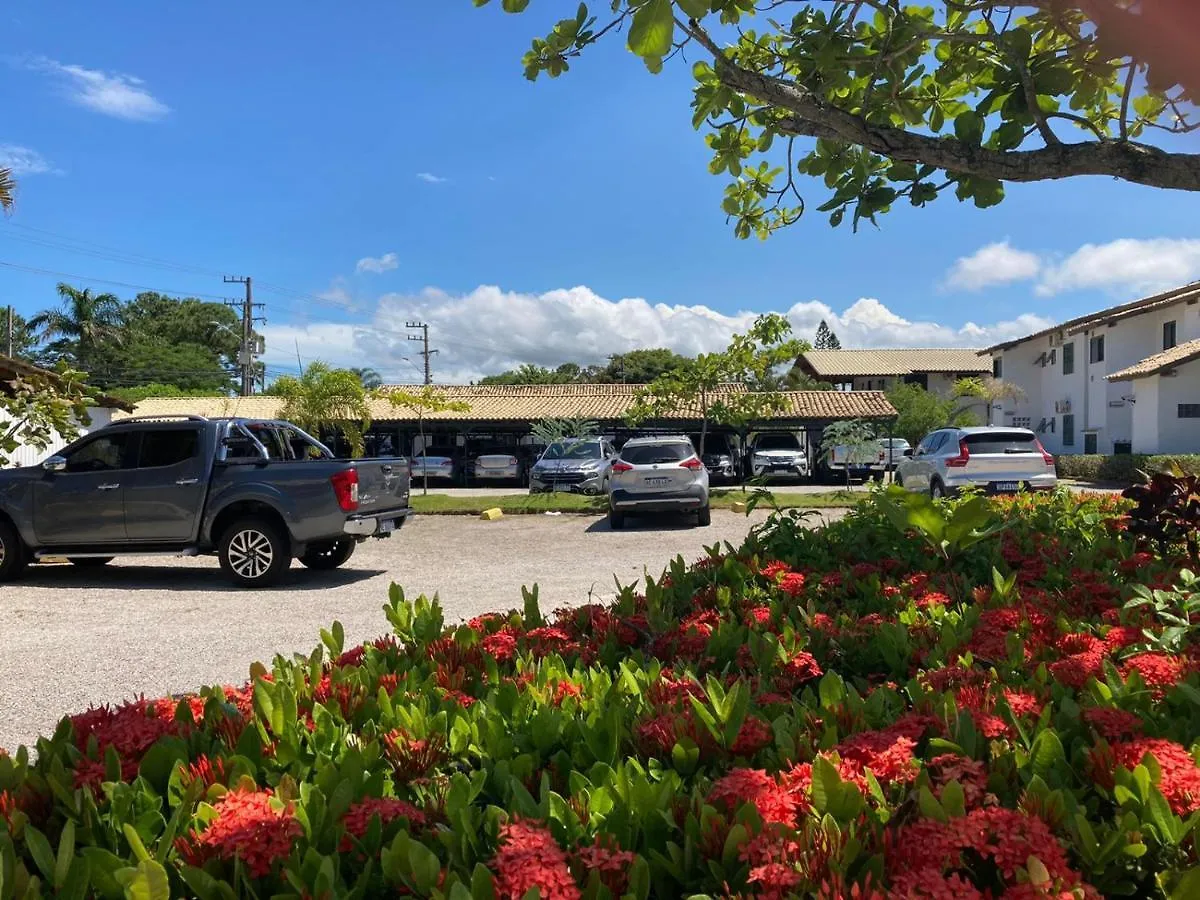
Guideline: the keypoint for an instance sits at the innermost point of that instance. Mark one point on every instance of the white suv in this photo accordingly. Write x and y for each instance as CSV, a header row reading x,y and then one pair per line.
x,y
657,474
995,459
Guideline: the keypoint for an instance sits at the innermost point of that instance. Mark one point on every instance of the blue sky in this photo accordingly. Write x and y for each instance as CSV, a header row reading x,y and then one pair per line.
x,y
289,141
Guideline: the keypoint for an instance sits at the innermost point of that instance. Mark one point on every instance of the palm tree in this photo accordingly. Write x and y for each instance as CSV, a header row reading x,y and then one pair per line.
x,y
326,399
7,186
81,325
369,377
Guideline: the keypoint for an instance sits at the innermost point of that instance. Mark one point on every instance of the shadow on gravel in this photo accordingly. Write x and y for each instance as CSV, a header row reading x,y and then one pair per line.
x,y
663,522
168,578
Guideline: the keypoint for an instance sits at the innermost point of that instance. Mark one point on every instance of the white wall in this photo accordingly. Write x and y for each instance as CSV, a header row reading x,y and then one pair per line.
x,y
1176,435
31,456
1096,403
1146,414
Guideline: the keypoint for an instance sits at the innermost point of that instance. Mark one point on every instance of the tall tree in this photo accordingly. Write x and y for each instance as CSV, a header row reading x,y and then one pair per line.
x,y
324,398
528,373
907,101
82,326
697,389
826,339
370,378
641,366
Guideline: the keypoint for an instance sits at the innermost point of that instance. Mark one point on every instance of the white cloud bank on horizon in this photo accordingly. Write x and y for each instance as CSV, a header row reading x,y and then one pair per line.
x,y
488,330
111,93
1123,267
378,264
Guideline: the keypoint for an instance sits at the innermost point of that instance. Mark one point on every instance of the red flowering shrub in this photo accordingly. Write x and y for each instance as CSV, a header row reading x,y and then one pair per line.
x,y
819,713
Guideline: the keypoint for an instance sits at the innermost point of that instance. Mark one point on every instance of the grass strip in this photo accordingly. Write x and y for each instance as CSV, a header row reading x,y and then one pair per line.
x,y
533,504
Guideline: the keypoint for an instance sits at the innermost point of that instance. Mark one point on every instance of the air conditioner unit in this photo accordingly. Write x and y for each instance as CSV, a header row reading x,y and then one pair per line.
x,y
1116,403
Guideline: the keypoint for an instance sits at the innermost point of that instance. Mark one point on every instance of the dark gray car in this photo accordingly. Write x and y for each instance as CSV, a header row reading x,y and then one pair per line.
x,y
256,493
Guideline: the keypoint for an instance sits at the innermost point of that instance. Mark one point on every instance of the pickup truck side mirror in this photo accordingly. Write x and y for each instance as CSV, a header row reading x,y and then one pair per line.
x,y
55,464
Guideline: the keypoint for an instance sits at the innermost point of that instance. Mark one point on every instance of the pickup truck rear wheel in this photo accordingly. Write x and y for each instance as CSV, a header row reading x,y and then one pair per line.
x,y
13,556
254,553
323,557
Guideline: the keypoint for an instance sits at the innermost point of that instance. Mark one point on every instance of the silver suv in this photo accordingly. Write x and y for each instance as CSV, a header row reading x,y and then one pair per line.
x,y
994,459
577,465
657,474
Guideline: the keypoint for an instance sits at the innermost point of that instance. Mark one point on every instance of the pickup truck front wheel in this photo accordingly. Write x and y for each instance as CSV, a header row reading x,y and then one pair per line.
x,y
324,557
254,553
12,552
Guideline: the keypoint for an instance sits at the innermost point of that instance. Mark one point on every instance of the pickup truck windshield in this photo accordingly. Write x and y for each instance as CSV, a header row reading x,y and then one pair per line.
x,y
573,450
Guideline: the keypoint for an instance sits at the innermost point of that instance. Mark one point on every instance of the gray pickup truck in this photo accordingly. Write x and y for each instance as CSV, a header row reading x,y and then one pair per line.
x,y
256,493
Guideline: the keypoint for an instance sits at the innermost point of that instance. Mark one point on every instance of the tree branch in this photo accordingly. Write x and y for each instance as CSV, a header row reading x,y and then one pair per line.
x,y
1125,100
813,117
1031,102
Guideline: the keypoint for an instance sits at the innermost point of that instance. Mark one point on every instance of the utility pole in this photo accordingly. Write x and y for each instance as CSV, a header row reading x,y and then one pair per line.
x,y
249,351
10,331
425,352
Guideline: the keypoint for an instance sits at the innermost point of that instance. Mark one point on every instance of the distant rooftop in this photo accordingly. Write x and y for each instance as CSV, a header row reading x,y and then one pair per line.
x,y
828,364
1160,362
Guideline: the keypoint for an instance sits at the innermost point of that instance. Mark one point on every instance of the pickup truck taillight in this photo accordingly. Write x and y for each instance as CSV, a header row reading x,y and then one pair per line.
x,y
960,461
345,488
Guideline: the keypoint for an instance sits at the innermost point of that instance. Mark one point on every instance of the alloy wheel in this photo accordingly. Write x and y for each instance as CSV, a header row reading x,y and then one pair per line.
x,y
251,553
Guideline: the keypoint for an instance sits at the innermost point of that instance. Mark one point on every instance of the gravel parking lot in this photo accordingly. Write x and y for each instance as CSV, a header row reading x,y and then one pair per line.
x,y
74,637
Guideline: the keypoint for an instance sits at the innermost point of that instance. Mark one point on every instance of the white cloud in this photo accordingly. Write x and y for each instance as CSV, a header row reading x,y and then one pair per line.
x,y
1125,266
110,93
24,161
998,263
430,178
377,264
489,330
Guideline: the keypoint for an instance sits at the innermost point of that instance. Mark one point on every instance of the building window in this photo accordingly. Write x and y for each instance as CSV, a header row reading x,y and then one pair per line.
x,y
1189,410
1090,443
1069,358
1096,349
997,368
1068,431
1169,340
1022,422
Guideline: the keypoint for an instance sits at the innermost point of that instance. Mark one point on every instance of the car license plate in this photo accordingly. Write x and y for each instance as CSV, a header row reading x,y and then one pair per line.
x,y
657,482
386,527
1006,486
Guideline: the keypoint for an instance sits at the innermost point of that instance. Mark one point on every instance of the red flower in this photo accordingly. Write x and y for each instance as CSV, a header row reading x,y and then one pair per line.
x,y
529,859
1023,703
887,753
773,570
501,646
1180,782
792,584
413,758
969,773
774,802
758,615
933,598
800,668
752,737
358,817
1075,671
610,861
1159,671
1121,636
250,826
208,771
1112,724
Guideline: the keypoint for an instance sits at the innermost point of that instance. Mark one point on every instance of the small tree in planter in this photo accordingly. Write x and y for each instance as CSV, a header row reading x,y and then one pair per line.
x,y
423,402
856,438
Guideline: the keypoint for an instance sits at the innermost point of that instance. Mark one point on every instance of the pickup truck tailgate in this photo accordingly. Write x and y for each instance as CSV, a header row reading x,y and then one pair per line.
x,y
383,484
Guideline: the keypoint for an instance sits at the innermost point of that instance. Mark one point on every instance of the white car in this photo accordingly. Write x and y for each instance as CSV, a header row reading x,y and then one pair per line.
x,y
994,459
657,475
777,453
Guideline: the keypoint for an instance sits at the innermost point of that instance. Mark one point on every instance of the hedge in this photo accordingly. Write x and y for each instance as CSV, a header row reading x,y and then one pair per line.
x,y
1122,468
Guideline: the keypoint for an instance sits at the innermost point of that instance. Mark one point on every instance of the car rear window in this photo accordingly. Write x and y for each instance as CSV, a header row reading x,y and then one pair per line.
x,y
776,442
649,454
437,451
1002,442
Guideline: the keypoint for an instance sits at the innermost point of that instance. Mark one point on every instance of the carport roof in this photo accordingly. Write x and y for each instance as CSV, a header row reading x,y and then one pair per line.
x,y
530,403
1159,362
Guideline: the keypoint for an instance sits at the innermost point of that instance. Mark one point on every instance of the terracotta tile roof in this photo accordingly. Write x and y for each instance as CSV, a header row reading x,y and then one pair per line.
x,y
1152,365
872,363
1112,314
11,369
527,403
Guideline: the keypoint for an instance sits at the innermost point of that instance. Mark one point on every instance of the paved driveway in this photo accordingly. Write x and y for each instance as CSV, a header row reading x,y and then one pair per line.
x,y
72,637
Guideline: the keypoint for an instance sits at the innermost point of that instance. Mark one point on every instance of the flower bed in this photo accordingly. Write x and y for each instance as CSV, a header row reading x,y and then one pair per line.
x,y
908,703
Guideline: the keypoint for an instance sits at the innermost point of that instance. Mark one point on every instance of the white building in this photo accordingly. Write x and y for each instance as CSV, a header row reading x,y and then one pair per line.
x,y
1125,379
880,370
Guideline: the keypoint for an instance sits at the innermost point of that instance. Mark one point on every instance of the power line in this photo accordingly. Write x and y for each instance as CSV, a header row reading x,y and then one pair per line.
x,y
125,284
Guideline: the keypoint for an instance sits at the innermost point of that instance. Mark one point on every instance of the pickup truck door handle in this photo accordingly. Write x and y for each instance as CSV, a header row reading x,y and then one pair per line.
x,y
183,481
108,487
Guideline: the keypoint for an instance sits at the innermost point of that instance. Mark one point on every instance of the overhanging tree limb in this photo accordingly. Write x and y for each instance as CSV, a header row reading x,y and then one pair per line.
x,y
1138,163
